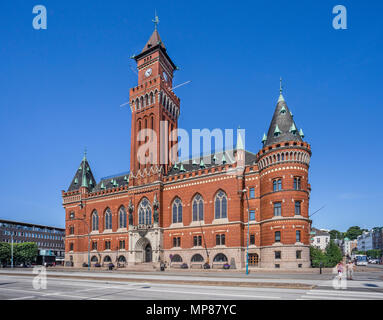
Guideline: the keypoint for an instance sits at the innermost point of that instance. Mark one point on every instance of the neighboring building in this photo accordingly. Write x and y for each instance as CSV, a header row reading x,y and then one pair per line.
x,y
365,241
193,211
319,239
371,240
50,240
348,246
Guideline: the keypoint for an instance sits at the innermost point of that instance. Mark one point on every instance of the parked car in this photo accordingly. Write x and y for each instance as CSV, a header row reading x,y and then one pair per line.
x,y
374,261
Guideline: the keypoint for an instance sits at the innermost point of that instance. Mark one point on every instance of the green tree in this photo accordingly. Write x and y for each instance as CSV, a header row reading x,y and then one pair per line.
x,y
5,252
25,252
335,234
353,232
317,256
375,254
333,254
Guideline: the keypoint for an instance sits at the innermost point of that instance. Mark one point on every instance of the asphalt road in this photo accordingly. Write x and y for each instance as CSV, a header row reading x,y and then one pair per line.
x,y
17,287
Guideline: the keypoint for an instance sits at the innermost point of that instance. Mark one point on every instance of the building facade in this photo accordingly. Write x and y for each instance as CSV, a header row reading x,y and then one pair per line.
x,y
203,210
50,240
371,240
319,238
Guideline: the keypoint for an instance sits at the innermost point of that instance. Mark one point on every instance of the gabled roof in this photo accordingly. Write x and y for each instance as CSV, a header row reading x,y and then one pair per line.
x,y
282,127
83,177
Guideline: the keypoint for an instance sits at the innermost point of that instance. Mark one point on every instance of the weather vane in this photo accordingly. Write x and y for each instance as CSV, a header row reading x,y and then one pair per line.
x,y
156,20
280,85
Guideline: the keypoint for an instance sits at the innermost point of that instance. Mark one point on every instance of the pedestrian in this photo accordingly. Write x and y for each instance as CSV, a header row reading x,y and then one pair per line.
x,y
350,270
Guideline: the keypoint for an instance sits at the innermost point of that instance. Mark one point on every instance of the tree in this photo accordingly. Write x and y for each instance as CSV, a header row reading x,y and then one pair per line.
x,y
25,252
335,234
317,256
374,254
353,232
5,252
333,254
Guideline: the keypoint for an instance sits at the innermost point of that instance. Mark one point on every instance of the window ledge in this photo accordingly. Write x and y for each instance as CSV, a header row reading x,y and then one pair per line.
x,y
220,220
122,229
177,225
197,223
107,231
94,232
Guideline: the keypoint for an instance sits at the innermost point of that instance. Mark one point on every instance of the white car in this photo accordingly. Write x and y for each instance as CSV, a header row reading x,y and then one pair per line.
x,y
373,261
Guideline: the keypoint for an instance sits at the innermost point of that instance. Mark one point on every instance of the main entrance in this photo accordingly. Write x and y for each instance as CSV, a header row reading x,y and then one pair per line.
x,y
148,253
253,259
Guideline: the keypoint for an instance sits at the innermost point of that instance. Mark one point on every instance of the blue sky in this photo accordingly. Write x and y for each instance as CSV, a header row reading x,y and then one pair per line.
x,y
61,90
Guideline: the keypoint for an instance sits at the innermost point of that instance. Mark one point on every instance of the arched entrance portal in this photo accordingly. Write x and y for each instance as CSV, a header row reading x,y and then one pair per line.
x,y
148,253
143,251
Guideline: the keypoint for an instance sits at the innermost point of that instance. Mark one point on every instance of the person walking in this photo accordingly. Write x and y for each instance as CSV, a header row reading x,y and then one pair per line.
x,y
350,270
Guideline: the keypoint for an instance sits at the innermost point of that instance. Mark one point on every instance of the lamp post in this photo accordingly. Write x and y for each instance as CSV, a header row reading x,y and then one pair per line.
x,y
248,231
12,249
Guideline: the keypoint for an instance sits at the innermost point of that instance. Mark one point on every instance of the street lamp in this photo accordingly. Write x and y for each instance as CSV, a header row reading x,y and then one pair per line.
x,y
12,249
248,231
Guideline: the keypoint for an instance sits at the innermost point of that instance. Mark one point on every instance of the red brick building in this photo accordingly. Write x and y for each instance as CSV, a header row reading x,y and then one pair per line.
x,y
195,211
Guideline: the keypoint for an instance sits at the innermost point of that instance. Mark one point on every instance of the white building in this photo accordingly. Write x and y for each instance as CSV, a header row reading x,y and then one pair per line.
x,y
319,239
365,241
348,246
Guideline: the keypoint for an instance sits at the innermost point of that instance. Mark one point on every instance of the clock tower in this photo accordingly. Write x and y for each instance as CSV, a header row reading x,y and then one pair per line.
x,y
155,111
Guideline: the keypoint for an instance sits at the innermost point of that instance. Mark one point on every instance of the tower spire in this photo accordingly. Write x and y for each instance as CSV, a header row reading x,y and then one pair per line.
x,y
156,20
85,152
280,91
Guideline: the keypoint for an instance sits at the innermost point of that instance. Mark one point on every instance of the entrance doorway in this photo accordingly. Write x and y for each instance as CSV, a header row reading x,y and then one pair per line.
x,y
148,253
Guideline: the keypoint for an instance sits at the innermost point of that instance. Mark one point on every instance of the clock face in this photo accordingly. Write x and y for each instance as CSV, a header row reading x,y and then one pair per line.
x,y
148,72
165,76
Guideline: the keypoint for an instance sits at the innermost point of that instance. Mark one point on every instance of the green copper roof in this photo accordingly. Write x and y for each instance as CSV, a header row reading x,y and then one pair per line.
x,y
301,133
264,138
277,131
182,169
223,158
202,164
175,166
84,179
214,158
76,181
126,178
194,162
293,129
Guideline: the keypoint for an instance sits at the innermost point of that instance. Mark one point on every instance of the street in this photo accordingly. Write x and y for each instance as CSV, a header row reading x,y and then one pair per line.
x,y
17,285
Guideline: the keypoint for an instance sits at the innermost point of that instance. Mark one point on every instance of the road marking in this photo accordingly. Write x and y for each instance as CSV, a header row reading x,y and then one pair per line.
x,y
347,293
22,298
211,294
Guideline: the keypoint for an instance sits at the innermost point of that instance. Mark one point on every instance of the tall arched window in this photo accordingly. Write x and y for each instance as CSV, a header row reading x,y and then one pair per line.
x,y
122,217
197,208
177,210
108,219
220,205
95,221
144,212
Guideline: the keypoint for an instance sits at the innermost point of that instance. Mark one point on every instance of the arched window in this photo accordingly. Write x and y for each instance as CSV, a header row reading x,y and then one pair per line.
x,y
176,258
121,259
94,259
197,258
151,98
177,210
220,205
107,259
108,219
220,257
144,212
122,217
94,221
197,208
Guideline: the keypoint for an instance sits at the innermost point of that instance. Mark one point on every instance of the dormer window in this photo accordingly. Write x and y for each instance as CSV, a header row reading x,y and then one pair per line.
x,y
283,110
277,132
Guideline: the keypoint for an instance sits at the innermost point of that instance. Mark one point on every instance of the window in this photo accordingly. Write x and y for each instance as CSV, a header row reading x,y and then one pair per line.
x,y
107,245
297,183
298,236
108,219
122,217
299,254
71,247
176,258
71,215
71,230
177,210
297,208
197,258
253,259
277,209
198,208
220,205
144,212
220,257
176,242
252,193
277,254
277,236
252,239
220,239
197,241
318,240
277,184
122,244
277,266
252,215
94,245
